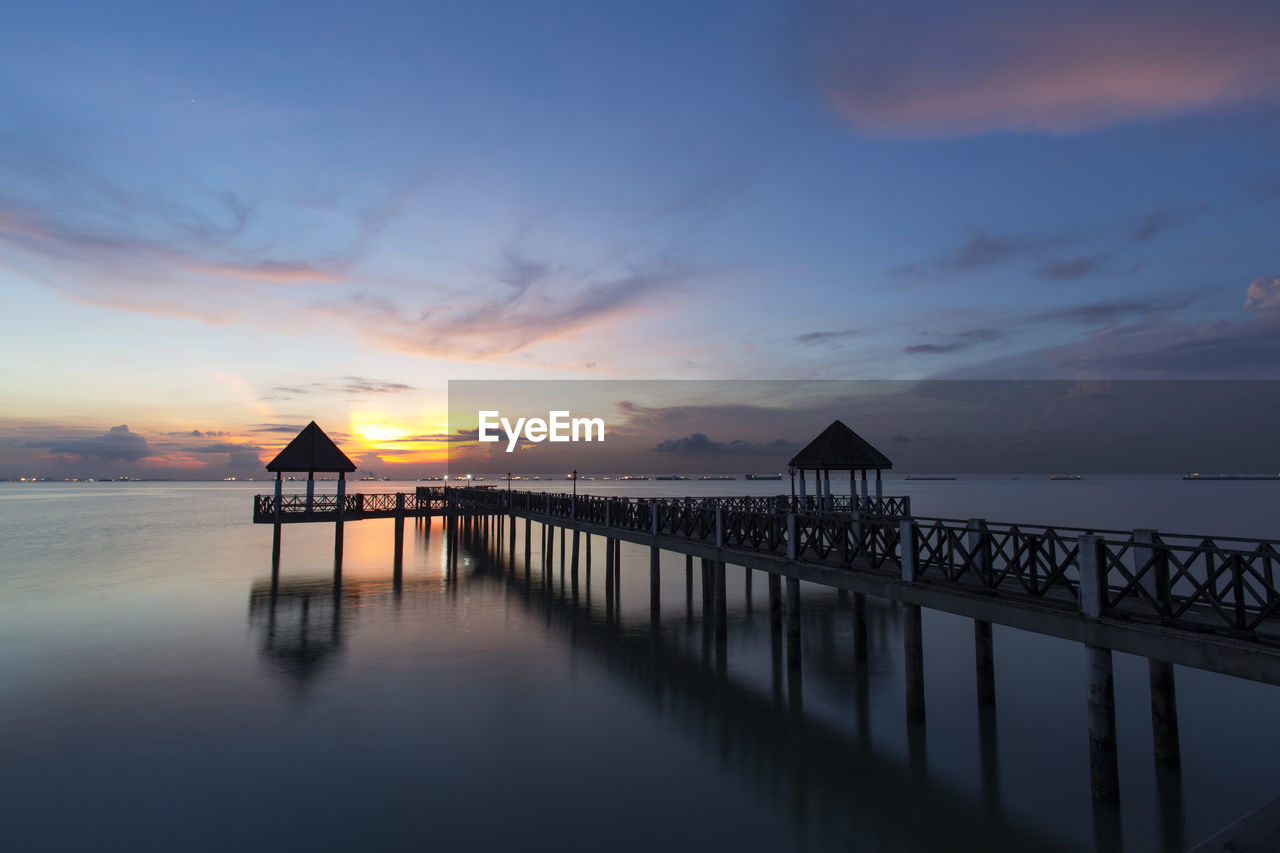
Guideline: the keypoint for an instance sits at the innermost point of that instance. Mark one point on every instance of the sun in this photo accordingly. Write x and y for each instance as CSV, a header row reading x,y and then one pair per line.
x,y
377,433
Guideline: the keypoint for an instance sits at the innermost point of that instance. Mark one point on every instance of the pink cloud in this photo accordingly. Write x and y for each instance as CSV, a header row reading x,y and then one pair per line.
x,y
1263,294
1074,68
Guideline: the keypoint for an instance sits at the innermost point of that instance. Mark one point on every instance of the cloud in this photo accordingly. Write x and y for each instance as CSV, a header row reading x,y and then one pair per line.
x,y
343,385
699,443
955,341
1159,221
489,324
456,437
999,65
1263,294
1160,345
984,249
1101,312
117,443
283,429
1070,269
822,337
198,433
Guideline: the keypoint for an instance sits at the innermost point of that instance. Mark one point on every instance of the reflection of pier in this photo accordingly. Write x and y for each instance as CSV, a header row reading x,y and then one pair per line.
x,y
839,782
839,785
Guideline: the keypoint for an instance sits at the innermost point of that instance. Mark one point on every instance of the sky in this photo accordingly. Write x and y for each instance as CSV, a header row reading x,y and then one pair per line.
x,y
221,221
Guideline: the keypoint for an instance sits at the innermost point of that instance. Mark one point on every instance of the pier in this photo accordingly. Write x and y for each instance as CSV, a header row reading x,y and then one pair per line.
x,y
1201,601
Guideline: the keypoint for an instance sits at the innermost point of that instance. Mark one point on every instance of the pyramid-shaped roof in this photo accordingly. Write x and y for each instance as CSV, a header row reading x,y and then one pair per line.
x,y
311,450
842,449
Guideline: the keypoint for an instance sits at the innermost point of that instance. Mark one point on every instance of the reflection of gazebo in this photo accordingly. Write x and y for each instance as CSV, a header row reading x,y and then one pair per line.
x,y
841,449
301,624
311,451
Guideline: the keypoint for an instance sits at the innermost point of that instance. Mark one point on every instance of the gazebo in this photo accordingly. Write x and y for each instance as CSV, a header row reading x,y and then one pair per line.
x,y
841,449
311,451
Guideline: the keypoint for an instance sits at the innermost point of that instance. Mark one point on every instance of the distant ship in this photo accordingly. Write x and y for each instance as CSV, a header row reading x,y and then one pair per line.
x,y
913,477
754,476
672,477
717,479
1231,476
1066,477
630,477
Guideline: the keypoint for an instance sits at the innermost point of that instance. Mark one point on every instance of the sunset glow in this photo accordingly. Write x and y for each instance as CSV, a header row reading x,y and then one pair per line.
x,y
213,254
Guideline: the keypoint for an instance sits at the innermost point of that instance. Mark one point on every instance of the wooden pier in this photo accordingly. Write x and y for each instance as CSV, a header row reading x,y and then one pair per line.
x,y
1199,601
1207,602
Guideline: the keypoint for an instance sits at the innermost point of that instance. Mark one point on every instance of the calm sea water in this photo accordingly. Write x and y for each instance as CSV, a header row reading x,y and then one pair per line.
x,y
155,695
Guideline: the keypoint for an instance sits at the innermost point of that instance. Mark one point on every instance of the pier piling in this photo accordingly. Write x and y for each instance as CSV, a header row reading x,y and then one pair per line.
x,y
793,623
722,610
1104,772
1164,712
913,649
655,578
985,661
775,602
859,626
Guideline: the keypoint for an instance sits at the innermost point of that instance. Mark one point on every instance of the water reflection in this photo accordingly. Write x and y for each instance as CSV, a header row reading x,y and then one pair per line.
x,y
843,787
300,622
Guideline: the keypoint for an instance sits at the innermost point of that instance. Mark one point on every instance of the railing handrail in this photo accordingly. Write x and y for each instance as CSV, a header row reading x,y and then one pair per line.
x,y
1198,582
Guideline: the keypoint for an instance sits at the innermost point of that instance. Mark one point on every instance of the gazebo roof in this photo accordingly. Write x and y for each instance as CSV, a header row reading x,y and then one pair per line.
x,y
311,450
840,448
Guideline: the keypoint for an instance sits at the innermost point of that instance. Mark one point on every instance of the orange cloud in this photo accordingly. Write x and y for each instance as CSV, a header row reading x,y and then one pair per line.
x,y
1075,68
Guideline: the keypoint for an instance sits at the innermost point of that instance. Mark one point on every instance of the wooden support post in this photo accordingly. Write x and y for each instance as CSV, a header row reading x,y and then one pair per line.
x,y
984,661
608,579
913,649
573,568
708,584
793,546
1164,711
311,490
688,579
746,586
912,633
655,578
275,534
793,623
859,626
722,608
1104,772
775,602
977,543
399,555
1093,588
337,527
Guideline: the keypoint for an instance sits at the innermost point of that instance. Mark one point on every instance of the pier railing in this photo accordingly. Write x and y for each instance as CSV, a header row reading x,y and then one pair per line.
x,y
1218,584
354,507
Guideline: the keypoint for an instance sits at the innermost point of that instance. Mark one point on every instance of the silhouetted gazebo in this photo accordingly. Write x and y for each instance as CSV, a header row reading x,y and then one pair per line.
x,y
311,451
841,449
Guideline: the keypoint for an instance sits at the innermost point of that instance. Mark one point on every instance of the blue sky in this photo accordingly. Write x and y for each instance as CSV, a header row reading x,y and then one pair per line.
x,y
215,217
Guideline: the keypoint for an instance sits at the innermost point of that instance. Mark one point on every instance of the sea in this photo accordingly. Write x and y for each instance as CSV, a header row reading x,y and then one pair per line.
x,y
160,691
